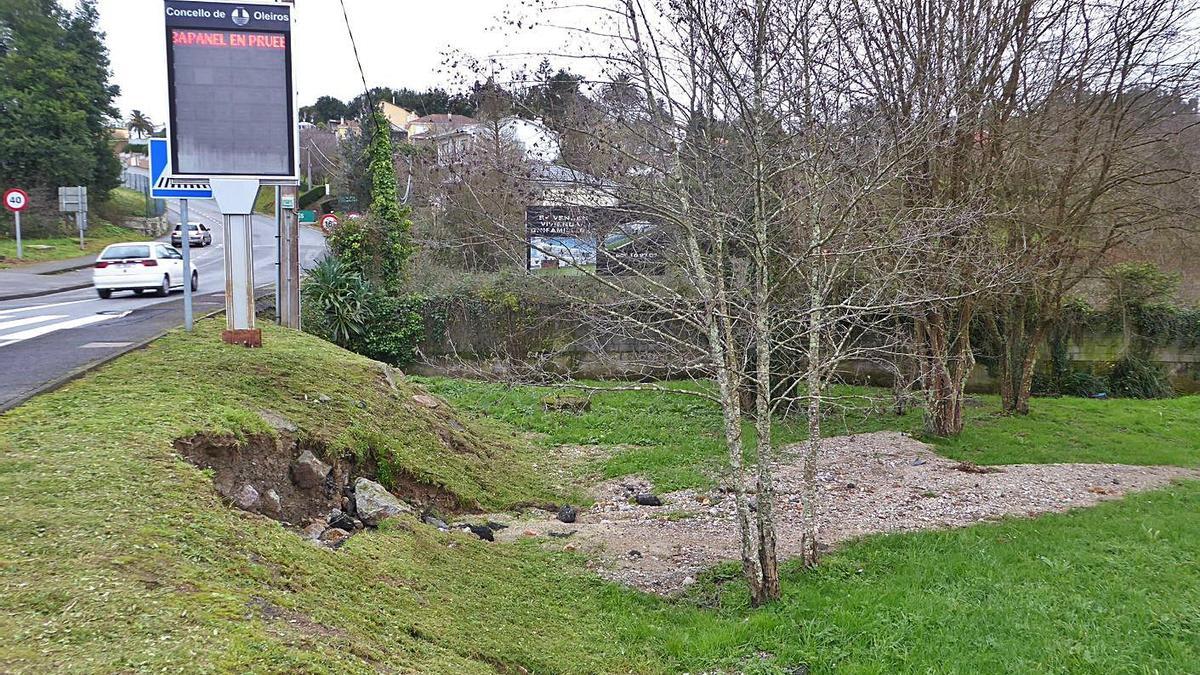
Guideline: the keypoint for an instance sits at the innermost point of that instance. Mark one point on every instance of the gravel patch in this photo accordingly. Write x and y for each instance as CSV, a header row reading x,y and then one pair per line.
x,y
867,484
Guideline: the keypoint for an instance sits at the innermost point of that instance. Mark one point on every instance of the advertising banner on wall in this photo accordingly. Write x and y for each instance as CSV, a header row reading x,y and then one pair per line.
x,y
608,239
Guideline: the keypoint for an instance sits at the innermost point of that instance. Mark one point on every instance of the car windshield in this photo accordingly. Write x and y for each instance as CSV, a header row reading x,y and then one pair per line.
x,y
119,252
191,227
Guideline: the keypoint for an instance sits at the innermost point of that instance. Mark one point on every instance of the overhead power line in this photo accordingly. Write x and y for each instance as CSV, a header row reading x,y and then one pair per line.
x,y
362,74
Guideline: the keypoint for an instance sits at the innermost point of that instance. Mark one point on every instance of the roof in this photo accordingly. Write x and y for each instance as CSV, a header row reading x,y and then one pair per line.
x,y
557,173
444,118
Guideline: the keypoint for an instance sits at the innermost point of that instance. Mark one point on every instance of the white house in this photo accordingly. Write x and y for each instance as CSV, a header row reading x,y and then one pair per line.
x,y
537,142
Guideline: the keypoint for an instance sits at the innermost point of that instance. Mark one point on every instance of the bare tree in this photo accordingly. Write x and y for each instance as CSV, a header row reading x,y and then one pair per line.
x,y
761,192
1097,154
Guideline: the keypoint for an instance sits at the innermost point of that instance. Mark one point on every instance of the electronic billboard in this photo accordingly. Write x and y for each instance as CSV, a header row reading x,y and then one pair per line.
x,y
231,95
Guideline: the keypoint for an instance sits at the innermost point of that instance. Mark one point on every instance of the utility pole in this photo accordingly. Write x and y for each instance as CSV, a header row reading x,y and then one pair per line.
x,y
289,262
278,254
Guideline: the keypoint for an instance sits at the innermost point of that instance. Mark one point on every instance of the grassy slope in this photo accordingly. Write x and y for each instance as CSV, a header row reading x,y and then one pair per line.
x,y
98,236
116,555
676,440
122,201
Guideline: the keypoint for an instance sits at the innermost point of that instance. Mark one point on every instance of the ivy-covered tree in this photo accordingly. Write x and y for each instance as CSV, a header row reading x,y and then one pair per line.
x,y
56,102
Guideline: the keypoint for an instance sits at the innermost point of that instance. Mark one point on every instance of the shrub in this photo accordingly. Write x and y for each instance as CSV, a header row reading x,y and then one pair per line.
x,y
394,327
1082,383
1134,377
338,298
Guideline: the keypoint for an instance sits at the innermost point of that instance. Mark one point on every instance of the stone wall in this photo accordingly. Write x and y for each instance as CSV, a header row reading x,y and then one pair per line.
x,y
474,337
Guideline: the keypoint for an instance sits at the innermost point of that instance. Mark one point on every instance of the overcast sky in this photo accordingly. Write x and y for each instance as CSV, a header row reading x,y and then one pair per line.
x,y
401,42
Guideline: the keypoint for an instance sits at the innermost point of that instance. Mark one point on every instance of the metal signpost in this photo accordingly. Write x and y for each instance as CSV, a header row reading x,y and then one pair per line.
x,y
74,200
16,200
232,124
160,162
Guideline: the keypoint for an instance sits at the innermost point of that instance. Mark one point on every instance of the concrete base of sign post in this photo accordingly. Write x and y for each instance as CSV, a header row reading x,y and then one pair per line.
x,y
246,337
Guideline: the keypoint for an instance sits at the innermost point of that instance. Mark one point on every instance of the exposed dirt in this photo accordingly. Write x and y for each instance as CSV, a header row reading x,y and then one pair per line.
x,y
264,463
867,484
267,465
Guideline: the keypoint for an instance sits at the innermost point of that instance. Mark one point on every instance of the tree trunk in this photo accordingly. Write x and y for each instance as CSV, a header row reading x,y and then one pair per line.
x,y
808,496
946,365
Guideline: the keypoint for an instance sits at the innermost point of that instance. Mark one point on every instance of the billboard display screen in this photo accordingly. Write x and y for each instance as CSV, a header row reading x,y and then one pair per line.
x,y
229,76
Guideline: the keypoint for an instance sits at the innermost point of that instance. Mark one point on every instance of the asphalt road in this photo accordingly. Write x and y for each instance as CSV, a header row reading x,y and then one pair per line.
x,y
51,337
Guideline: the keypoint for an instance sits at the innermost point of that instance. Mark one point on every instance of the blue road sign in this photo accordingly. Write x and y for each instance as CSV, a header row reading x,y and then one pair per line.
x,y
160,162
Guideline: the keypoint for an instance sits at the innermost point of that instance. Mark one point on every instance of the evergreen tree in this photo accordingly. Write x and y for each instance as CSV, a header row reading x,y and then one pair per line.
x,y
56,102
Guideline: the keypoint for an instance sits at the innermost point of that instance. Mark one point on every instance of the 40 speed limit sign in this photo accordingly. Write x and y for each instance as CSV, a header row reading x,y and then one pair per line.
x,y
16,199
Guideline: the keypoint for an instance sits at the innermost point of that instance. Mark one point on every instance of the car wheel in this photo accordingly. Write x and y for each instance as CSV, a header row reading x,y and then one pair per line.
x,y
195,281
165,289
104,293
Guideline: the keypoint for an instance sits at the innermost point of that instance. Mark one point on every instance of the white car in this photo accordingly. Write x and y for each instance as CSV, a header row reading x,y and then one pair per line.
x,y
140,266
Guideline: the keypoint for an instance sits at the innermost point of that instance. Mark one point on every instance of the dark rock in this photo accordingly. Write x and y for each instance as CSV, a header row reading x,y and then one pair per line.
x,y
246,498
648,499
308,471
493,525
568,513
482,531
635,554
373,503
440,524
341,520
917,462
561,535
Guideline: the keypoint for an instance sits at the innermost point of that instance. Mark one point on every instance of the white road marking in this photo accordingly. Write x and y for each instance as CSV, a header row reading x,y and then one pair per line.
x,y
33,308
4,325
21,336
104,345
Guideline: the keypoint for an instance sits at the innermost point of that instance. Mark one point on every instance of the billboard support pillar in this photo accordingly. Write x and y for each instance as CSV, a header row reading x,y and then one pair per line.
x,y
235,197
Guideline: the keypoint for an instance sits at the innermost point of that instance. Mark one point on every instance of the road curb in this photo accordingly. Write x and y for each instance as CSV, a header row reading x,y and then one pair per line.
x,y
50,291
67,378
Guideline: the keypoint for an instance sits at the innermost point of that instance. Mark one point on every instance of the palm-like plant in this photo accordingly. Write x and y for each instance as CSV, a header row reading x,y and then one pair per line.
x,y
140,124
338,295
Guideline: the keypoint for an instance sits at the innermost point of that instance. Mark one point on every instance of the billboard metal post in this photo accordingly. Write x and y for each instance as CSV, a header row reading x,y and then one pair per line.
x,y
185,236
235,197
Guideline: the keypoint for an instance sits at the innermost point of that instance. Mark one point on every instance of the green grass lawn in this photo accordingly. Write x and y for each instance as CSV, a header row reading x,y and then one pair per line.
x,y
676,440
61,248
117,556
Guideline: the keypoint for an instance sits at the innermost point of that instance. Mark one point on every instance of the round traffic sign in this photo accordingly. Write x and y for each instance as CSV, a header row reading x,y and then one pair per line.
x,y
16,199
328,222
